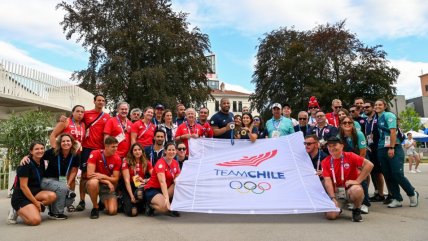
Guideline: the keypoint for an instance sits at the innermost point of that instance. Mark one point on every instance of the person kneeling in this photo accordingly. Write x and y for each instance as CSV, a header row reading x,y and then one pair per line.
x,y
342,178
160,187
103,175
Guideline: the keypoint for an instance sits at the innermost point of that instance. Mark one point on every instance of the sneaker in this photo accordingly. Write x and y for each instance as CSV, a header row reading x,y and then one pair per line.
x,y
12,216
150,212
414,200
377,198
356,215
388,199
174,214
364,209
395,204
57,216
412,171
101,206
418,170
95,213
350,206
81,206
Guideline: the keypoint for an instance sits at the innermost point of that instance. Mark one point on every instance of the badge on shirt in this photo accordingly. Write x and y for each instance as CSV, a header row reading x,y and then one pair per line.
x,y
275,134
370,139
120,137
387,141
63,179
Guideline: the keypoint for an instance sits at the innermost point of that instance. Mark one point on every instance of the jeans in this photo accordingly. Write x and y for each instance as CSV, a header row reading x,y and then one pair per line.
x,y
61,190
392,169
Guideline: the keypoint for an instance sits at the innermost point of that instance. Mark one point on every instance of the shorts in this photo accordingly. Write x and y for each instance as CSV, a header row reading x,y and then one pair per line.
x,y
150,193
411,152
19,200
104,193
84,156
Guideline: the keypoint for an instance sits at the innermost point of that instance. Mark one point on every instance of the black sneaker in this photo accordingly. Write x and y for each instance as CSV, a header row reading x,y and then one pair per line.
x,y
356,215
81,206
101,206
57,216
377,198
387,200
150,212
174,214
95,213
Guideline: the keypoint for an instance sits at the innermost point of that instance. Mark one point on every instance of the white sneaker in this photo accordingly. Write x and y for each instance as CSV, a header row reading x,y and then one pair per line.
x,y
414,200
395,204
12,216
418,170
412,171
350,206
364,209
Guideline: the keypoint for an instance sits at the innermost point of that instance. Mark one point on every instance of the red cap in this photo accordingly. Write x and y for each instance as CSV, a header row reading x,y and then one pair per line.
x,y
313,102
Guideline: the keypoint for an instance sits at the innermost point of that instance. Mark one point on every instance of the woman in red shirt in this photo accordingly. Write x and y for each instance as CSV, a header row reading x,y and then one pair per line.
x,y
72,125
159,190
134,168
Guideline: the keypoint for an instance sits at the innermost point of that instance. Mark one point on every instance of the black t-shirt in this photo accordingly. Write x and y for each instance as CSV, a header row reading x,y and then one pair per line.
x,y
253,131
34,172
152,155
303,129
220,120
262,134
362,122
318,157
66,163
324,133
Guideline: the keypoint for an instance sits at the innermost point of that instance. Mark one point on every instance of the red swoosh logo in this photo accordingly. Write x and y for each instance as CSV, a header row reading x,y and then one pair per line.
x,y
250,161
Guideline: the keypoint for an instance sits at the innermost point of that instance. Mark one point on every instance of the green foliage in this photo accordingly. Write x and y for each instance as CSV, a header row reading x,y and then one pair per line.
x,y
140,51
328,62
410,120
21,130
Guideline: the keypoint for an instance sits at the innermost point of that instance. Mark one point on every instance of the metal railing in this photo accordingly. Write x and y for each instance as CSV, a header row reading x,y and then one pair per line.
x,y
20,82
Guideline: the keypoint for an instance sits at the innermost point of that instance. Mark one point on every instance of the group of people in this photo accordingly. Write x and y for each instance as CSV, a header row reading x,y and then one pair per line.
x,y
131,163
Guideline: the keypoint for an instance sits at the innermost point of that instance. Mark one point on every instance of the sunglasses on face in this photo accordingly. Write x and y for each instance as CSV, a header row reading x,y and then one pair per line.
x,y
256,120
181,148
308,143
320,116
302,118
338,107
366,107
352,111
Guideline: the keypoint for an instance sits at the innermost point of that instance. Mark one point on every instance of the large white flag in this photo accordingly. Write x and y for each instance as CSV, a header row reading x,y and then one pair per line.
x,y
270,176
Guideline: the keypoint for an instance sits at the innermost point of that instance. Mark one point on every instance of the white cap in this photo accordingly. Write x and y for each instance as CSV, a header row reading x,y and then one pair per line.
x,y
277,105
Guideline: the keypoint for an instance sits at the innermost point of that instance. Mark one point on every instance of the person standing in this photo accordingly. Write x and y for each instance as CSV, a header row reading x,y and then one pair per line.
x,y
303,125
333,117
286,112
181,115
323,130
313,108
135,115
143,130
157,119
73,125
278,125
391,157
222,120
312,147
412,154
155,152
168,126
203,121
189,129
119,127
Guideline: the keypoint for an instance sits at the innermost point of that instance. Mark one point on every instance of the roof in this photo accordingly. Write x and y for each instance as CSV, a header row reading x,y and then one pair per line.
x,y
228,92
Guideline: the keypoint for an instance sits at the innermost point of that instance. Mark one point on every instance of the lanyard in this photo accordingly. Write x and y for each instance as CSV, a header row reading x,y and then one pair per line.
x,y
136,168
96,120
75,130
105,162
342,172
276,126
322,132
372,124
232,141
59,165
189,128
319,160
169,168
121,124
147,128
37,172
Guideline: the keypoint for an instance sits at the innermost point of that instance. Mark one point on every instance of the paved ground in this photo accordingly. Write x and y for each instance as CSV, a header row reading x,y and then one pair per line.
x,y
401,224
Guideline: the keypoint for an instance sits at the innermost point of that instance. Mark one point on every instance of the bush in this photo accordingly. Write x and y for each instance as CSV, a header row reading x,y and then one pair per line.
x,y
20,130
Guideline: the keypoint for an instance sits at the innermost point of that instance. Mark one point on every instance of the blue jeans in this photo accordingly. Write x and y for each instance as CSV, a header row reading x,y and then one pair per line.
x,y
61,190
392,169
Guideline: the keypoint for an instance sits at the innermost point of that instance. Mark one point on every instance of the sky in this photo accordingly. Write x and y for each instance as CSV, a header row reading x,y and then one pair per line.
x,y
30,33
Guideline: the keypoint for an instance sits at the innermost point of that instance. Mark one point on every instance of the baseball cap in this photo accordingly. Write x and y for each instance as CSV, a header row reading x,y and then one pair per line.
x,y
159,106
334,140
276,105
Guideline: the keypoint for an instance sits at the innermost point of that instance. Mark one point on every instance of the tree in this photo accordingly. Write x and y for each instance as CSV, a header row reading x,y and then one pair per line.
x,y
140,51
328,62
21,130
410,120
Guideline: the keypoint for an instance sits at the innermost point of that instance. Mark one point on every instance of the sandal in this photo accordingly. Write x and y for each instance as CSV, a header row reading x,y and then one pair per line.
x,y
71,208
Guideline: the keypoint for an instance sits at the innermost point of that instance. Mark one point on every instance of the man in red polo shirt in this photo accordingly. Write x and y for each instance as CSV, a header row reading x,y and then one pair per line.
x,y
119,127
333,117
95,121
342,177
188,129
103,175
207,130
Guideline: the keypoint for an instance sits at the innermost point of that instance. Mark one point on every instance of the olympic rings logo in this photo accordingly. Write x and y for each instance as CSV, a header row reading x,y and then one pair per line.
x,y
249,186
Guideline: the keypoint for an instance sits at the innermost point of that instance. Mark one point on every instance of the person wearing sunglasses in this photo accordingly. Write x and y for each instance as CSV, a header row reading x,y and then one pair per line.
x,y
303,123
323,130
260,124
313,108
344,113
355,141
333,117
355,114
181,156
312,147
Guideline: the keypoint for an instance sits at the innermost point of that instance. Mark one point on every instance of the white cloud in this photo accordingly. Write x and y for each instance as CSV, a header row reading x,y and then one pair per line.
x,y
238,88
408,82
380,18
10,53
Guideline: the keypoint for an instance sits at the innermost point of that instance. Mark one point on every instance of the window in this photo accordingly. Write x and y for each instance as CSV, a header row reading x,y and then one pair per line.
x,y
217,105
234,106
426,87
240,106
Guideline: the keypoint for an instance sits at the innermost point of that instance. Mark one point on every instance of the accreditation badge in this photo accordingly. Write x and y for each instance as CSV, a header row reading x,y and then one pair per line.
x,y
323,142
370,139
275,134
120,137
341,193
137,183
63,179
387,141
